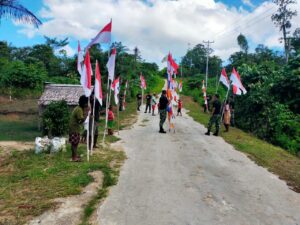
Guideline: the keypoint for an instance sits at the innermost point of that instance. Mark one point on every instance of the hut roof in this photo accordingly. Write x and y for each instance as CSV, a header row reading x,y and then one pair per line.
x,y
57,92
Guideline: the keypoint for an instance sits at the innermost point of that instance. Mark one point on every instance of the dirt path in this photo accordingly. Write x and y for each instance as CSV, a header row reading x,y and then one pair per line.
x,y
188,178
70,209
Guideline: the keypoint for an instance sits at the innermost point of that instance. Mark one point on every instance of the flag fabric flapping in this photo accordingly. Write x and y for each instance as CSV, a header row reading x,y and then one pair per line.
x,y
80,60
180,86
237,85
143,82
98,85
104,36
204,92
111,64
115,86
86,75
224,78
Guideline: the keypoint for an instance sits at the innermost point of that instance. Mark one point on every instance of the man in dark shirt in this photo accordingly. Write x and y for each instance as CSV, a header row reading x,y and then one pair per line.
x,y
162,107
216,114
139,101
148,102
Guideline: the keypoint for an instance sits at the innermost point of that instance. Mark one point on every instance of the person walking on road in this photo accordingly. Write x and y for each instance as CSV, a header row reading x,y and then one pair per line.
x,y
163,104
153,103
139,101
179,107
215,118
148,102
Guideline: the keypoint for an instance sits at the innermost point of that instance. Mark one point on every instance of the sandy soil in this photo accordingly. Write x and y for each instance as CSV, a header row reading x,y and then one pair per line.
x,y
189,178
70,209
7,147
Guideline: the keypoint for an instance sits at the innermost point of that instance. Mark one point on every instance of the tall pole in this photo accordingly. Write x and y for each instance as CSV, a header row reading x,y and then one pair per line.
x,y
207,58
93,124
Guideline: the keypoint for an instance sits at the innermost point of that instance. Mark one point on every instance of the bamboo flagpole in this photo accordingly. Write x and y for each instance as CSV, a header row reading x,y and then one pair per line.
x,y
88,132
93,124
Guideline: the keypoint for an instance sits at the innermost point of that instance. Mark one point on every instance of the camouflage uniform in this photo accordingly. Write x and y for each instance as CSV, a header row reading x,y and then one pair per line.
x,y
163,117
214,119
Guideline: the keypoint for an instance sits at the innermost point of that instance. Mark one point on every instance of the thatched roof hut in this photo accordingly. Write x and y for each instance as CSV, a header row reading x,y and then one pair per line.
x,y
58,92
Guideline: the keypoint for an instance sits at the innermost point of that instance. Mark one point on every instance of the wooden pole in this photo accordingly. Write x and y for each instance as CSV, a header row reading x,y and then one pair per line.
x,y
93,125
118,113
88,133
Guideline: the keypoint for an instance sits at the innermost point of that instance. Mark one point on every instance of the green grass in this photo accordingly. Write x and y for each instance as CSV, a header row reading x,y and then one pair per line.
x,y
24,128
29,182
275,159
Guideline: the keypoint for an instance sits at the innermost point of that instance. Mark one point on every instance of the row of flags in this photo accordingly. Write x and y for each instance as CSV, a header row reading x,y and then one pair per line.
x,y
235,80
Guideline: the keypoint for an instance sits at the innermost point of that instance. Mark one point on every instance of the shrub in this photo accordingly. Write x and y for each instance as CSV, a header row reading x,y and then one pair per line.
x,y
56,119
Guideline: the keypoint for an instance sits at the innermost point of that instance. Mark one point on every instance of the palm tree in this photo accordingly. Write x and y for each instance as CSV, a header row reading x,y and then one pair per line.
x,y
13,9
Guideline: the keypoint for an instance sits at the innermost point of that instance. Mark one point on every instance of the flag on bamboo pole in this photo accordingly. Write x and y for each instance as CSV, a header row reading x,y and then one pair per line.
x,y
104,36
80,60
180,86
98,84
111,64
224,78
86,75
115,86
124,99
237,86
143,82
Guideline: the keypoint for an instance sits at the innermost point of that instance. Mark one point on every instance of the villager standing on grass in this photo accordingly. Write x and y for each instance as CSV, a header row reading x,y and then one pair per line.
x,y
215,118
227,115
163,104
77,119
111,118
139,101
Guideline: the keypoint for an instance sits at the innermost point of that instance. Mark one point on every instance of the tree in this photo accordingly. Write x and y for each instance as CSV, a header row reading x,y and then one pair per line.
x,y
296,41
14,10
282,19
243,43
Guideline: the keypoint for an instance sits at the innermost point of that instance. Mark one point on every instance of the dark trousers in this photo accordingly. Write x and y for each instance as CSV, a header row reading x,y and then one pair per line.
x,y
163,117
148,106
214,119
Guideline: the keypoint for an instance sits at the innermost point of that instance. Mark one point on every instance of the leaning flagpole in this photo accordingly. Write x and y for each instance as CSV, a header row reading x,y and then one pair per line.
x,y
93,123
88,133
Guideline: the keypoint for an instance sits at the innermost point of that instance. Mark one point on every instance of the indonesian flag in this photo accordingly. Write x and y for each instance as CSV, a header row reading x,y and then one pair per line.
x,y
224,79
143,82
124,99
238,87
111,64
86,75
115,86
180,86
80,60
104,36
98,85
170,68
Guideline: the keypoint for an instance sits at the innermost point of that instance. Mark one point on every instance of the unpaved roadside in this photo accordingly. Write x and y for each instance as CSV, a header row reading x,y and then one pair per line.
x,y
189,178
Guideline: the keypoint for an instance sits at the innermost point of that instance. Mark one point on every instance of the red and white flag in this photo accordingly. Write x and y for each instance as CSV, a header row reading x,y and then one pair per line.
x,y
224,78
104,36
98,85
86,75
180,86
115,86
124,99
143,82
80,60
237,85
111,64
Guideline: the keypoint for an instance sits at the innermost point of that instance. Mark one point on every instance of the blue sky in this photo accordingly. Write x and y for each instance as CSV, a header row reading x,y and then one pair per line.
x,y
189,21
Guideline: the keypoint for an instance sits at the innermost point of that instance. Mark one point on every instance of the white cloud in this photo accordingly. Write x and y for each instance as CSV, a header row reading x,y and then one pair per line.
x,y
248,3
160,26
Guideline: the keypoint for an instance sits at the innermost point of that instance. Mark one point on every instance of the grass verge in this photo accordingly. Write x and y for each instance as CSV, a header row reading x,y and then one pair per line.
x,y
275,159
29,182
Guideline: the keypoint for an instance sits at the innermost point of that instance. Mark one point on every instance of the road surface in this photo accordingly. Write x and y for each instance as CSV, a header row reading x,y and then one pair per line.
x,y
188,178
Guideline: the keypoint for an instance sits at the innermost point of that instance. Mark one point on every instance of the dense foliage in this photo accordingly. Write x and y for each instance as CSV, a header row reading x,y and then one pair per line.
x,y
271,108
56,119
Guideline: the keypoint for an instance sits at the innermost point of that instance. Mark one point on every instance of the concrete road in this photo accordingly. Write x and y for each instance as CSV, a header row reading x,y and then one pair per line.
x,y
188,178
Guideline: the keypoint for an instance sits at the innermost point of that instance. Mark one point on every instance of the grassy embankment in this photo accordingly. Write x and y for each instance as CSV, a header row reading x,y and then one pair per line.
x,y
29,182
275,159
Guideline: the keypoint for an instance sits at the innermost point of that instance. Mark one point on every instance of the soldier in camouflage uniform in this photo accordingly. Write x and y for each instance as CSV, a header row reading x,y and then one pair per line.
x,y
162,107
216,115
